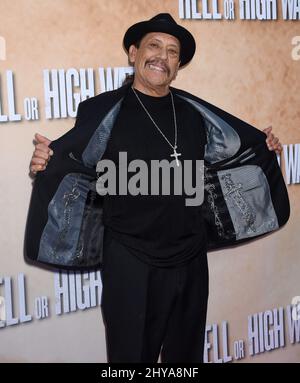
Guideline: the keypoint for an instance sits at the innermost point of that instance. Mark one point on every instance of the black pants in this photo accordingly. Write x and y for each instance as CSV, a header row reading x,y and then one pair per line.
x,y
145,308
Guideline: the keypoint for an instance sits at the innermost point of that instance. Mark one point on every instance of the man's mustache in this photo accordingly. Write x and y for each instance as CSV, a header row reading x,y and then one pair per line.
x,y
159,63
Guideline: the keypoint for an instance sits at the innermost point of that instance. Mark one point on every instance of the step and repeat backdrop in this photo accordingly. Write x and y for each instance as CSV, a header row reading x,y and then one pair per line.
x,y
55,53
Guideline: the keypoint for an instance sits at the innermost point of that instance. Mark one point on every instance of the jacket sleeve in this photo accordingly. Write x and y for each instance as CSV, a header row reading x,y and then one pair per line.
x,y
63,201
245,195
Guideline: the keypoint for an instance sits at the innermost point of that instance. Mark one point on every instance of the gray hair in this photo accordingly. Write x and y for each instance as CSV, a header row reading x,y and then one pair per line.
x,y
130,77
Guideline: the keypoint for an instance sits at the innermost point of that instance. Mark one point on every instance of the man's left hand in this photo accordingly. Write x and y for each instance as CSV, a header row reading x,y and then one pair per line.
x,y
272,141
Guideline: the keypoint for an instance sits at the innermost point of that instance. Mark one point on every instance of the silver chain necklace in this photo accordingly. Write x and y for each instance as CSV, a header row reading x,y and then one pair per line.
x,y
174,147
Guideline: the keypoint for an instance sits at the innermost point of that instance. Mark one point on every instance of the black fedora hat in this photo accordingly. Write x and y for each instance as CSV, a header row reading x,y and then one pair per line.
x,y
165,23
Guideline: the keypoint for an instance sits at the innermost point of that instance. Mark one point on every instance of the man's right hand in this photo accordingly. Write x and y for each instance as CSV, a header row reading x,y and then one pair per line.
x,y
41,154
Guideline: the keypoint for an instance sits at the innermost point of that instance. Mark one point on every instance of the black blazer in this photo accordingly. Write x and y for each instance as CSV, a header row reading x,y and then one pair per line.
x,y
245,194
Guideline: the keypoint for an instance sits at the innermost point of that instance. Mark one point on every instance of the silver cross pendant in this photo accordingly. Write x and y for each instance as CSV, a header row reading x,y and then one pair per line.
x,y
176,155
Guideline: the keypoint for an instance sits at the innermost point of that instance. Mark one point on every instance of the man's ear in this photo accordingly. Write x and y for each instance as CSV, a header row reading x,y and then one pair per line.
x,y
132,53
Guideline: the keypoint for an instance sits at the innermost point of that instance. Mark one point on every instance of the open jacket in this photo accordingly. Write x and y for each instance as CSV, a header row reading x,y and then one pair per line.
x,y
245,194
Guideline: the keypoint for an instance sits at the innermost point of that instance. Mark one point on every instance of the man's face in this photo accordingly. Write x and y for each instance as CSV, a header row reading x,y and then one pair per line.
x,y
156,61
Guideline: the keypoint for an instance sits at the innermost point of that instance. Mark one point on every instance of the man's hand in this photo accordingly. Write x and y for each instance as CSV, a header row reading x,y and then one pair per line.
x,y
41,154
272,141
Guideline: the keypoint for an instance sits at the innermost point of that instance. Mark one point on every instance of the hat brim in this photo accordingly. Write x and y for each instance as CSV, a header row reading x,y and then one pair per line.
x,y
139,30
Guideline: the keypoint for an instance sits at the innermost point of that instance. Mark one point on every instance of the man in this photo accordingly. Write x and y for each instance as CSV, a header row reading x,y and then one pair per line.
x,y
152,249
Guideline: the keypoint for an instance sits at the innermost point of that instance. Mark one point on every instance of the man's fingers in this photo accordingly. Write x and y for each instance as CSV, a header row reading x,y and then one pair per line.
x,y
270,137
44,148
268,129
38,161
279,149
42,139
275,141
272,141
41,154
269,141
36,168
